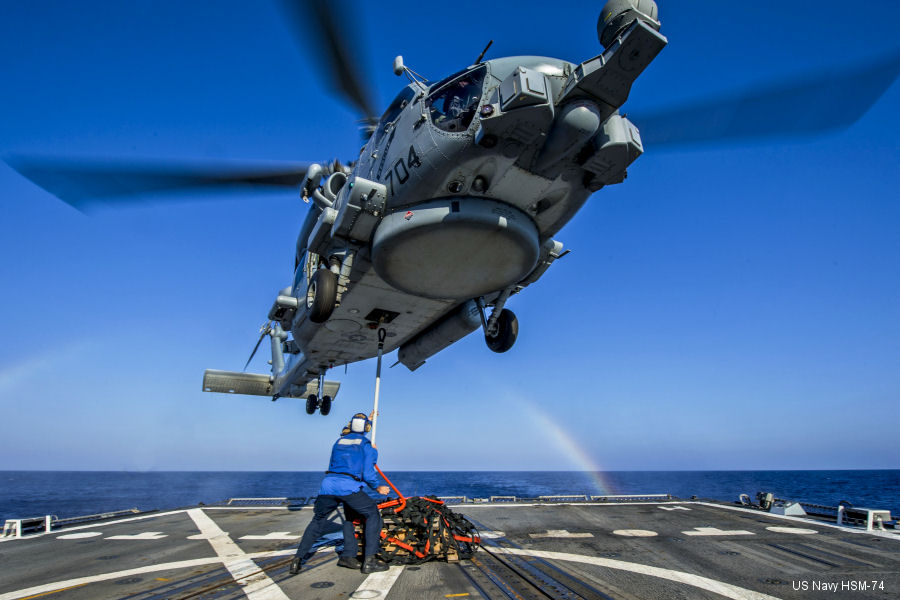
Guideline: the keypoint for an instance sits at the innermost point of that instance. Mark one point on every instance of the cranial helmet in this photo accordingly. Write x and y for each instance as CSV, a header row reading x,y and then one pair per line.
x,y
359,423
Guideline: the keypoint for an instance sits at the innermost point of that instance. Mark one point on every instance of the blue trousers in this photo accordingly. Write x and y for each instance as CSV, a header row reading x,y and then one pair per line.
x,y
357,504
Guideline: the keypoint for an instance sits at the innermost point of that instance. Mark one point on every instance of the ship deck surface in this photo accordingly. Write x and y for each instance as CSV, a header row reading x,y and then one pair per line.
x,y
667,549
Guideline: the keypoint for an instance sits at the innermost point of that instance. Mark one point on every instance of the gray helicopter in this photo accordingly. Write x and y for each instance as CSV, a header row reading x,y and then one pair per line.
x,y
452,205
450,209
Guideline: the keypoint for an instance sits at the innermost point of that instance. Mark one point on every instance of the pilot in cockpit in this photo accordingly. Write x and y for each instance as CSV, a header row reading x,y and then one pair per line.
x,y
453,106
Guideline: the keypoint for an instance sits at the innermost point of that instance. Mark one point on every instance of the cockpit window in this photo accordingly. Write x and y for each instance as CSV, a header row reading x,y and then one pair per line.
x,y
393,111
453,102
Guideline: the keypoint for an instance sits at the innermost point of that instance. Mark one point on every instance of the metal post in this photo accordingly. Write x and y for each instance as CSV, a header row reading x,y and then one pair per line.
x,y
381,335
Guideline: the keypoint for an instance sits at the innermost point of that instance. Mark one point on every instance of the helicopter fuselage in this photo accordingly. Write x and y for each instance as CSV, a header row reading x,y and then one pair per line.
x,y
452,205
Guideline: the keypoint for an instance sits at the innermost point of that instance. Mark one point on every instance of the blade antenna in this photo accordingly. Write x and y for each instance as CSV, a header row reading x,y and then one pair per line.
x,y
483,52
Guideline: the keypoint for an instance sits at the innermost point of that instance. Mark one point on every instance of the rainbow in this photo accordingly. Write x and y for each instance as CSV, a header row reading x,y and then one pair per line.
x,y
571,448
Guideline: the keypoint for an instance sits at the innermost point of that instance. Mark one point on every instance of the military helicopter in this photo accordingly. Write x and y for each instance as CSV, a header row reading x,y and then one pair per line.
x,y
449,209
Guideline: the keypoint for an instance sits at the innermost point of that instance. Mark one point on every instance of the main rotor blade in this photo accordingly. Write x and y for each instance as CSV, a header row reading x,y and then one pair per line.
x,y
86,184
828,102
333,37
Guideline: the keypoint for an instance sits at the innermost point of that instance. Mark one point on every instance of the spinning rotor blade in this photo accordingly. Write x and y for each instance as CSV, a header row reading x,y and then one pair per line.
x,y
322,20
832,101
264,331
86,184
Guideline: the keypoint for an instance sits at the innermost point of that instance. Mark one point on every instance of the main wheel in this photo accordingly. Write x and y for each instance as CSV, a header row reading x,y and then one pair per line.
x,y
321,295
325,408
507,332
312,403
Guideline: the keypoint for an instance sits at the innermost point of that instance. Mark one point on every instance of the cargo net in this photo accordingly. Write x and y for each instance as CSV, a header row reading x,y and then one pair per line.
x,y
423,528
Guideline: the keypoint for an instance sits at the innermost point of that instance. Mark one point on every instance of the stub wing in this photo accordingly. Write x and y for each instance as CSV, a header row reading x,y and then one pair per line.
x,y
233,382
254,384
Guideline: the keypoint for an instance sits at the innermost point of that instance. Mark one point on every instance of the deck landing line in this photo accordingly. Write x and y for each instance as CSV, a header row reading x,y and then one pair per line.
x,y
257,585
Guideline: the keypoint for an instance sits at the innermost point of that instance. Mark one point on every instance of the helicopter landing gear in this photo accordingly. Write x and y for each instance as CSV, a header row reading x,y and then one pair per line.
x,y
313,402
321,296
504,334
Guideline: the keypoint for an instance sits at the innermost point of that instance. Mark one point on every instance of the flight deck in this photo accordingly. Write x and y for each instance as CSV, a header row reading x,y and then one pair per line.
x,y
564,547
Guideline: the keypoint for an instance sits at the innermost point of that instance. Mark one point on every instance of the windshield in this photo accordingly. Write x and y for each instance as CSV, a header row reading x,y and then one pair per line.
x,y
393,111
453,104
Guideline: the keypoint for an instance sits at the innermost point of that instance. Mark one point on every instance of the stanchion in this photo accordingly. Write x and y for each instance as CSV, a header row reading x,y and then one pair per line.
x,y
381,335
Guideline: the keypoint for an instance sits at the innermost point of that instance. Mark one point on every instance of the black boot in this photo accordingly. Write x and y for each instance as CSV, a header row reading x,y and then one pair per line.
x,y
373,565
348,562
296,564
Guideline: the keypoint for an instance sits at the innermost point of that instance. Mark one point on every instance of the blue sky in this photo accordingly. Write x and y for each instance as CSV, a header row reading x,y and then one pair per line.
x,y
730,306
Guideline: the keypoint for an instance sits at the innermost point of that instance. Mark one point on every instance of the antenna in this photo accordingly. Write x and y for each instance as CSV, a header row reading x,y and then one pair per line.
x,y
483,52
400,69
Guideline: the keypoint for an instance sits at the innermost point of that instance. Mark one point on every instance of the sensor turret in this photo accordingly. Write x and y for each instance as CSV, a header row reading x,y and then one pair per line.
x,y
617,15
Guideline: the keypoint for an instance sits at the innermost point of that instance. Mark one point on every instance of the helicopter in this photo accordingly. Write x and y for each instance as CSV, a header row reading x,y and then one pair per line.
x,y
448,211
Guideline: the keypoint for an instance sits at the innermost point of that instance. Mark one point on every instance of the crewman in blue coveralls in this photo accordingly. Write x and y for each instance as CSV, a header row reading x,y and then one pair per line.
x,y
352,465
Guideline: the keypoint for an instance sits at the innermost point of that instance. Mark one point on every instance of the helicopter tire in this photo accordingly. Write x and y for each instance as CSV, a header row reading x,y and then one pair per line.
x,y
325,406
321,295
507,332
312,403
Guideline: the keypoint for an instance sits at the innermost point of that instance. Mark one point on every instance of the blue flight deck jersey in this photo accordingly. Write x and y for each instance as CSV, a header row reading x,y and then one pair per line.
x,y
352,454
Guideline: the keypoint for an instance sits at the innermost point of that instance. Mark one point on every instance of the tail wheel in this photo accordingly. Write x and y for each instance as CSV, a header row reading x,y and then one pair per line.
x,y
312,403
326,405
506,334
321,295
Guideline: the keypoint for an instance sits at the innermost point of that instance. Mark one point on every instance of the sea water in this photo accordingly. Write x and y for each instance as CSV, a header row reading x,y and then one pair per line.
x,y
76,493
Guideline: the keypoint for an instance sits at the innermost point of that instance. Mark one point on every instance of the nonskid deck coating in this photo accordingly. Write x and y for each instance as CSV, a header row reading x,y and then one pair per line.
x,y
549,550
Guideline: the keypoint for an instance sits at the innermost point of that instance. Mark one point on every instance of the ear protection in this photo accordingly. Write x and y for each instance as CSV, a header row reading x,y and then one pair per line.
x,y
359,423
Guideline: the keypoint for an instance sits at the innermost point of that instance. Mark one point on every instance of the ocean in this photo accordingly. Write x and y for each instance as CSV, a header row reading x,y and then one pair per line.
x,y
76,493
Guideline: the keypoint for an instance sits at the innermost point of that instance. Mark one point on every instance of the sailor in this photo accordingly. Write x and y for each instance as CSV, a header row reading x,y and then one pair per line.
x,y
352,467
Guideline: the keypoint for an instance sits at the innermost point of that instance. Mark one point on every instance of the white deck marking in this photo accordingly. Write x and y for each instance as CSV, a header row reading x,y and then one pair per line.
x,y
560,533
528,504
376,585
146,535
673,507
105,524
635,532
79,536
716,531
807,520
724,589
275,535
256,584
256,508
797,530
490,534
203,536
182,564
59,585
